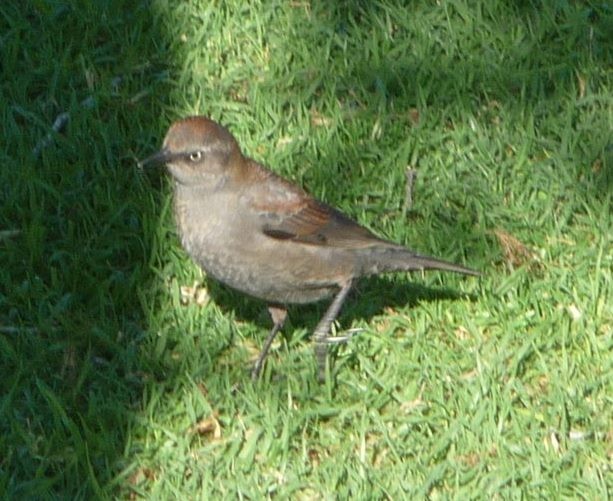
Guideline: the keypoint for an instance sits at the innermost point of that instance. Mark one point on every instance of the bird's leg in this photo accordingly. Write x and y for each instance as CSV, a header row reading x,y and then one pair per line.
x,y
278,315
411,174
322,331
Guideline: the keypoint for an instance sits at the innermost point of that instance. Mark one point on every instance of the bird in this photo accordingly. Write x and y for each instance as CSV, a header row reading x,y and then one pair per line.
x,y
267,237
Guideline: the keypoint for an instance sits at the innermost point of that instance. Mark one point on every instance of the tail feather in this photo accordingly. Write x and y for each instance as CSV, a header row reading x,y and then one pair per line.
x,y
390,259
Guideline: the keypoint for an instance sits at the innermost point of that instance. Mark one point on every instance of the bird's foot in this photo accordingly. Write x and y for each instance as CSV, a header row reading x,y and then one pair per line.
x,y
345,337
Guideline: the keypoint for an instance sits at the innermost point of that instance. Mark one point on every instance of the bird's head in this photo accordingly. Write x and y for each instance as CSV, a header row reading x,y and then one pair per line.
x,y
197,151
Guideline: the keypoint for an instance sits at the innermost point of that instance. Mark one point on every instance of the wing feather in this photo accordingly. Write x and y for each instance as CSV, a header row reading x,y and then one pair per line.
x,y
286,212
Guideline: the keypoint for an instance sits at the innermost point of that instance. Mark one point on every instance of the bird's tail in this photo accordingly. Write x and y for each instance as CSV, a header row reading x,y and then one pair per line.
x,y
389,259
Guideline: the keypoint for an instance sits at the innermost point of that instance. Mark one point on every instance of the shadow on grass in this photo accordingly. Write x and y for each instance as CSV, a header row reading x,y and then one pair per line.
x,y
543,54
71,360
368,298
540,62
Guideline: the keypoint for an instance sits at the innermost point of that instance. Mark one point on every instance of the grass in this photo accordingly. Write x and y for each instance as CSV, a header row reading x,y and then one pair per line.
x,y
124,371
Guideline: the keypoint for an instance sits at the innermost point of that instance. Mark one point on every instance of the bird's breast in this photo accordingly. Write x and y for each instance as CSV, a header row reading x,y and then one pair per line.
x,y
227,242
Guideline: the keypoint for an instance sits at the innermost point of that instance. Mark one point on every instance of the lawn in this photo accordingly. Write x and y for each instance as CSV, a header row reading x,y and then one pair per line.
x,y
124,370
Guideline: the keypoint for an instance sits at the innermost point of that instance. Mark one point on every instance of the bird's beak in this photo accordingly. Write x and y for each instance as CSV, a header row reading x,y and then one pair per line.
x,y
161,157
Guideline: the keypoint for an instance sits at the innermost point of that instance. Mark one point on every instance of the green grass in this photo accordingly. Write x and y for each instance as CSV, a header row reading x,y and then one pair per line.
x,y
112,386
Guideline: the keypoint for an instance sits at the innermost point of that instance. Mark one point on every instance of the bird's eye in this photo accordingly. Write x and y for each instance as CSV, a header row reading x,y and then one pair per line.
x,y
195,156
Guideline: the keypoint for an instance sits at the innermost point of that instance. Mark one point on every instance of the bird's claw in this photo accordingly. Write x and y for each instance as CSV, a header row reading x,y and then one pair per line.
x,y
344,338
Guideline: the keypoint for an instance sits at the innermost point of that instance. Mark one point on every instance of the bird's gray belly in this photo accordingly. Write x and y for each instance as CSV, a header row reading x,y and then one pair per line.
x,y
248,267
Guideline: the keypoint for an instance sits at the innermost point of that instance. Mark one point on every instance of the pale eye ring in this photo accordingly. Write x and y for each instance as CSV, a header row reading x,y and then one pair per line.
x,y
195,156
